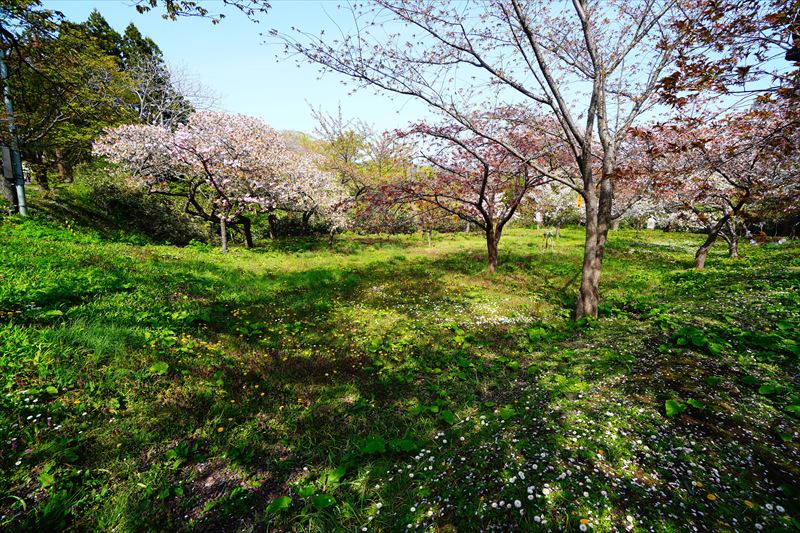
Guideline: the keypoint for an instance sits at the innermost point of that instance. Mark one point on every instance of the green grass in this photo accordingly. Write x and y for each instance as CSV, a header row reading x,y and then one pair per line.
x,y
382,383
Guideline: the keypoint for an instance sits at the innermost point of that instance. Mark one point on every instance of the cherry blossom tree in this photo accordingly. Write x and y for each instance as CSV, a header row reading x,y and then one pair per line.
x,y
225,165
592,67
311,189
556,205
650,207
220,164
480,181
718,171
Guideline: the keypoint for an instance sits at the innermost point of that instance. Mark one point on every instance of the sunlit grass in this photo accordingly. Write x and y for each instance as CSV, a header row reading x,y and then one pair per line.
x,y
381,383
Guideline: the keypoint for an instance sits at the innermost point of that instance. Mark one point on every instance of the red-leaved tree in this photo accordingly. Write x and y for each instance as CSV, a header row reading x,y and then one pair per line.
x,y
472,177
739,48
717,172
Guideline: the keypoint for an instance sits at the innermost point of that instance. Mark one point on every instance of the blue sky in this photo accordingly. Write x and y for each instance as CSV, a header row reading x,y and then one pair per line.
x,y
248,70
240,65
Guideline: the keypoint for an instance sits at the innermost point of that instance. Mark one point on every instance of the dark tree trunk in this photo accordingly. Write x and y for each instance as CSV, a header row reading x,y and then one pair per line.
x,y
492,239
7,184
223,233
246,230
306,218
702,252
273,226
491,266
598,217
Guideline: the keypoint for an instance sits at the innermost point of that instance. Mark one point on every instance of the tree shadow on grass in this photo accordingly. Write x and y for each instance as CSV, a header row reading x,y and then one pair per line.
x,y
261,357
345,390
374,395
122,214
338,361
347,245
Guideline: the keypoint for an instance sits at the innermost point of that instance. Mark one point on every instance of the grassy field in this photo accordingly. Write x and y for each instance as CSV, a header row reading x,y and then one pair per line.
x,y
386,385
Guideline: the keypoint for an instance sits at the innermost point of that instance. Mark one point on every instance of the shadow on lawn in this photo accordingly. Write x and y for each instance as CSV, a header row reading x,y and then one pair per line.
x,y
333,391
325,358
350,245
349,389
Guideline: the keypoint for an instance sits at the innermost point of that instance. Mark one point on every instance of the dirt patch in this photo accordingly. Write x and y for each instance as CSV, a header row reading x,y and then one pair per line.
x,y
210,481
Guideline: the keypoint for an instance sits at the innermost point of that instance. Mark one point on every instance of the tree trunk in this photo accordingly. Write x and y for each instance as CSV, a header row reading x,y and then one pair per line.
x,y
306,218
247,231
615,224
733,247
492,238
702,252
468,228
273,226
598,219
7,184
588,294
223,233
731,234
428,233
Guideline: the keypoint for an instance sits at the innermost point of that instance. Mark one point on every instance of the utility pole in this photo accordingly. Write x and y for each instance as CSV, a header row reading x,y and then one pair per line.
x,y
16,160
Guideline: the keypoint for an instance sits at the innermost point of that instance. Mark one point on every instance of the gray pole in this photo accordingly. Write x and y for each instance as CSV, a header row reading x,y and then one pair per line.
x,y
16,160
